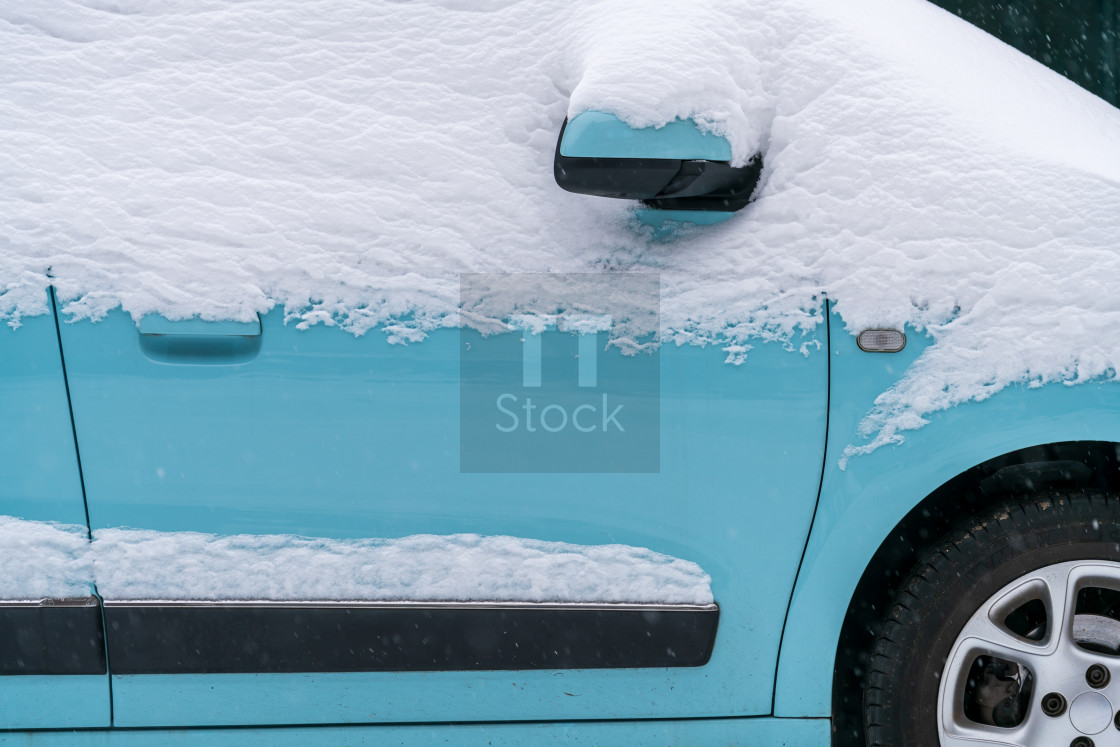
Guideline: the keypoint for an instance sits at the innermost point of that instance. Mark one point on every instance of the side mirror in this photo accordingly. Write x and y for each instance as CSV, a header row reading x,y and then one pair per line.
x,y
674,167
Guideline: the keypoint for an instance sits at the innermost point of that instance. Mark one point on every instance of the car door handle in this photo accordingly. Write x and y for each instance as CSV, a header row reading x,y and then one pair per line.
x,y
196,342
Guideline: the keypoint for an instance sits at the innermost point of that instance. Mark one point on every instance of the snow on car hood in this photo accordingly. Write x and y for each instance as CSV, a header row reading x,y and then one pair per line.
x,y
201,157
45,560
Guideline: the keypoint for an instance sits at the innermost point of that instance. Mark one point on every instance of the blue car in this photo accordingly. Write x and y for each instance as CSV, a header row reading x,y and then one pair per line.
x,y
548,532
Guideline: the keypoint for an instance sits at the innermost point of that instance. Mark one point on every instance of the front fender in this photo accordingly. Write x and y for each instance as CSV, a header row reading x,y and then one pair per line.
x,y
860,505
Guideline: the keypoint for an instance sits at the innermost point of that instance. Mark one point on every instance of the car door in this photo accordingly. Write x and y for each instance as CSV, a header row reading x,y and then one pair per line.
x,y
233,472
52,658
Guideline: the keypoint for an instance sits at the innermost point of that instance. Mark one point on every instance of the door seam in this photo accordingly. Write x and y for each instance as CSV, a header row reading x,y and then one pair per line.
x,y
816,504
70,408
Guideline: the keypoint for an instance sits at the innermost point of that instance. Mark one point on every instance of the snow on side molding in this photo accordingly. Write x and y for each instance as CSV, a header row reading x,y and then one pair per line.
x,y
138,564
675,167
148,565
175,604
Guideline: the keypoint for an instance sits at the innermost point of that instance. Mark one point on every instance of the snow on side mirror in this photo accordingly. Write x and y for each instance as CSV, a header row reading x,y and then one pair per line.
x,y
674,168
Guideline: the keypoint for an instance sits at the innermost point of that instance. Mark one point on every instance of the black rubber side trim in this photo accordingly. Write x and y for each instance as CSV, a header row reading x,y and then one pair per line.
x,y
52,637
154,638
665,183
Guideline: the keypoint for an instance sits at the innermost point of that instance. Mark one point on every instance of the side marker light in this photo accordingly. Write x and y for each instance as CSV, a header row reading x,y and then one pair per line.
x,y
881,340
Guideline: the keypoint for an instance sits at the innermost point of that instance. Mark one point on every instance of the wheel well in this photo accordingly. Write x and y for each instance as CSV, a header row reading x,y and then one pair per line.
x,y
1018,473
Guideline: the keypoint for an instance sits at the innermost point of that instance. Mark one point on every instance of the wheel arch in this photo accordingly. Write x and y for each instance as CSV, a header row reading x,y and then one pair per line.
x,y
1022,472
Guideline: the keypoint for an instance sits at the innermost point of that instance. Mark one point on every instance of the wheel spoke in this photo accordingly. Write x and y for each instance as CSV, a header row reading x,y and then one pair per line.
x,y
1061,604
1051,586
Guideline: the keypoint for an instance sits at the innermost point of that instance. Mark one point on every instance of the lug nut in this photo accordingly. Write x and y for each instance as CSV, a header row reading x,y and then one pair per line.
x,y
1097,676
1081,742
1116,720
1054,705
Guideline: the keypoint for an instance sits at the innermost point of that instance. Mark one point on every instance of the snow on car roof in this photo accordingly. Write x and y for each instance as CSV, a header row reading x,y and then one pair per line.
x,y
207,158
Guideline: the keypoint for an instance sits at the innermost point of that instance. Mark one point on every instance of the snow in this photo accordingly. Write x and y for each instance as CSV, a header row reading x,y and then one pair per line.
x,y
214,158
43,560
47,560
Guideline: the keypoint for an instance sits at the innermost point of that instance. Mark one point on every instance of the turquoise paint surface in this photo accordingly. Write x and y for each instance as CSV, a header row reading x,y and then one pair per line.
x,y
860,505
325,434
385,697
54,701
37,461
763,732
601,135
154,324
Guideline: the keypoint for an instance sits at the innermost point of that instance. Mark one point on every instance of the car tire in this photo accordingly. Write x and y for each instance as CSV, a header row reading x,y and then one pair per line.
x,y
953,588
